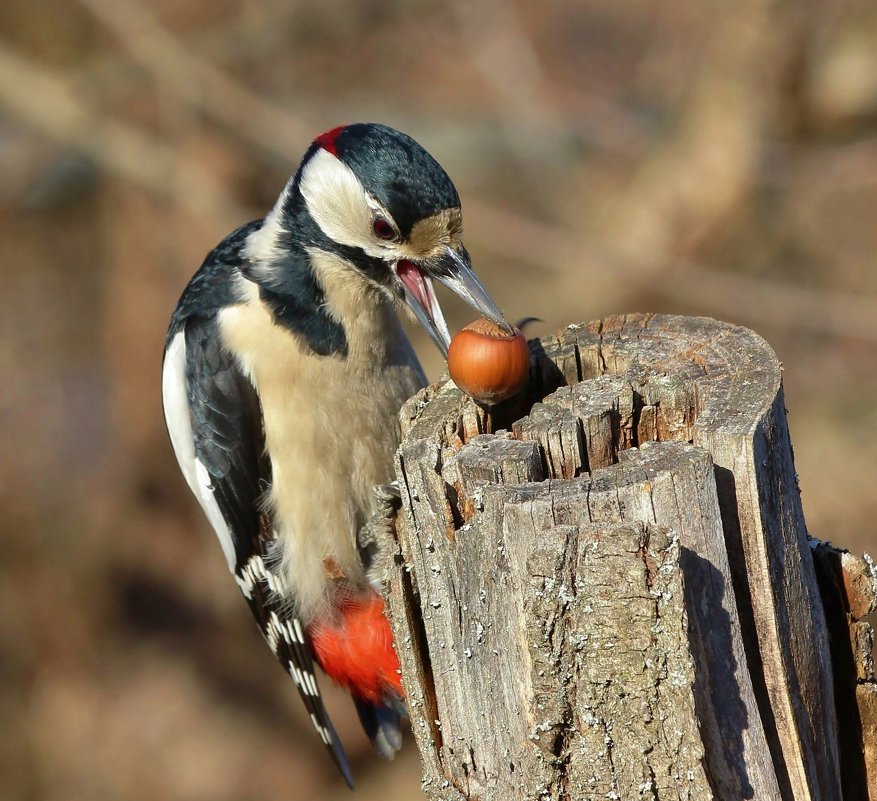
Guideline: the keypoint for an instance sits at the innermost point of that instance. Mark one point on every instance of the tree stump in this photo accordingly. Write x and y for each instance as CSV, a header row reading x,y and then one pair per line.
x,y
604,587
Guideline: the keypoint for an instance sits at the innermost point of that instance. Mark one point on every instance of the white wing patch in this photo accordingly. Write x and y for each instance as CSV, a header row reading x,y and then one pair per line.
x,y
175,399
253,571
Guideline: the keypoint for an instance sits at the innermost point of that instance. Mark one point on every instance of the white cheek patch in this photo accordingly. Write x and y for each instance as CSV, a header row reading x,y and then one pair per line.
x,y
338,203
179,425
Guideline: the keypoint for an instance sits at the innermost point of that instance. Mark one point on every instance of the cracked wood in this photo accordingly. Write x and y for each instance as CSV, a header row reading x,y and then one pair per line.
x,y
603,588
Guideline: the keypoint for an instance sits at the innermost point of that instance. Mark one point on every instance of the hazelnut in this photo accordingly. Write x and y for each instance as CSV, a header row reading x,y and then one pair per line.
x,y
487,362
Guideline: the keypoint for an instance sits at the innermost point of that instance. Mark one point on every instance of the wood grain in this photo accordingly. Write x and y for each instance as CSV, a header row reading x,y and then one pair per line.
x,y
540,657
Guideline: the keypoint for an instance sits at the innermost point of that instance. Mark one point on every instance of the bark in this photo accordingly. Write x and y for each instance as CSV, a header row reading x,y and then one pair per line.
x,y
604,587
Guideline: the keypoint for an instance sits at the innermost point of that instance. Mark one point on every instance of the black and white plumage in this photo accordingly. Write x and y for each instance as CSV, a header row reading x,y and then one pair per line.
x,y
285,368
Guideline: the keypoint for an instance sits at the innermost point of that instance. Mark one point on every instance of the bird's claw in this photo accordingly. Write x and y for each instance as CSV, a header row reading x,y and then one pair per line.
x,y
377,537
386,492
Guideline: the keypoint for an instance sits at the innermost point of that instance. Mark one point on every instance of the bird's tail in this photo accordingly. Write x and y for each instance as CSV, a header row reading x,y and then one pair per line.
x,y
383,724
355,650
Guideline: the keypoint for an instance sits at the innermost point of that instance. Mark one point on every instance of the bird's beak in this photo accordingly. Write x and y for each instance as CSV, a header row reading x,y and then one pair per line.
x,y
455,272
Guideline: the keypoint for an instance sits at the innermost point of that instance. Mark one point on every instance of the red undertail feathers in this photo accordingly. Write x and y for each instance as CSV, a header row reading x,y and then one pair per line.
x,y
355,649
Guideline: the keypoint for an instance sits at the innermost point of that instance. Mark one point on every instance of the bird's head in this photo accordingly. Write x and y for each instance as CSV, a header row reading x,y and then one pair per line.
x,y
374,198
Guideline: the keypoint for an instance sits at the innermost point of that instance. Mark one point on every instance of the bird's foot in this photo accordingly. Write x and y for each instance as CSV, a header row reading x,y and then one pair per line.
x,y
377,538
388,492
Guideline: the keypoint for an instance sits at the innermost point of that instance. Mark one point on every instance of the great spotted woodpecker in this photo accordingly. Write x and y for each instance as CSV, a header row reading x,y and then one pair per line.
x,y
285,368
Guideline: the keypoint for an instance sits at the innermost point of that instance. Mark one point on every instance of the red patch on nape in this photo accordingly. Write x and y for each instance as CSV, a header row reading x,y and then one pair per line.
x,y
356,649
328,139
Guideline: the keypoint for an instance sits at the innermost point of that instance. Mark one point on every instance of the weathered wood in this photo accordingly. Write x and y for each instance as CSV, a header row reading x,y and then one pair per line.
x,y
848,585
540,659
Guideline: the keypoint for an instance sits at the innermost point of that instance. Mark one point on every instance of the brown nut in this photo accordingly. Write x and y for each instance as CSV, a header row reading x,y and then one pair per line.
x,y
487,363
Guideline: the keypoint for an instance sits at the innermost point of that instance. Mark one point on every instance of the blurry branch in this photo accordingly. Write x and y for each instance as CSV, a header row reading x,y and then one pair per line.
x,y
229,41
849,166
507,61
562,253
685,174
49,104
509,64
506,58
198,82
690,182
775,303
686,184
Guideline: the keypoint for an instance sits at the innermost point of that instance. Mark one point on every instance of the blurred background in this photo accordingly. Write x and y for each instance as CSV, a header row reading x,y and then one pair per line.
x,y
703,158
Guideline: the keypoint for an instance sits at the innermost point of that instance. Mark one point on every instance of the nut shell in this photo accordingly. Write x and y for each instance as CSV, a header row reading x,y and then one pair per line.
x,y
488,364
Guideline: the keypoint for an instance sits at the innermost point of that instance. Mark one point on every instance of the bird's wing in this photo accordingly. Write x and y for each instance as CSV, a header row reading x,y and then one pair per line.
x,y
214,420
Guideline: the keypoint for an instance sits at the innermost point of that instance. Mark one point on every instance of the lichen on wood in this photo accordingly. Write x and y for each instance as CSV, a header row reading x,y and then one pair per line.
x,y
603,586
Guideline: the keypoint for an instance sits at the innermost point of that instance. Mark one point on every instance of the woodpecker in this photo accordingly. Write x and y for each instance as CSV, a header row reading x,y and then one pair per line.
x,y
285,367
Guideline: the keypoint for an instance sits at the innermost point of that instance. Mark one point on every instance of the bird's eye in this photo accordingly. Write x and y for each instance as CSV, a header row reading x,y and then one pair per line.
x,y
383,229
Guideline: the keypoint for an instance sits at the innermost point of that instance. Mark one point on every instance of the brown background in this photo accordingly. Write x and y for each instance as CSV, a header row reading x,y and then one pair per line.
x,y
707,158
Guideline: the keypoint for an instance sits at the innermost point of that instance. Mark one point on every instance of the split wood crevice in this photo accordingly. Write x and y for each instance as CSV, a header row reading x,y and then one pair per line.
x,y
614,596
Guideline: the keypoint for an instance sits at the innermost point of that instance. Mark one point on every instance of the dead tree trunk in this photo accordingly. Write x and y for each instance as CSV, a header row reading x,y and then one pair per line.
x,y
613,595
